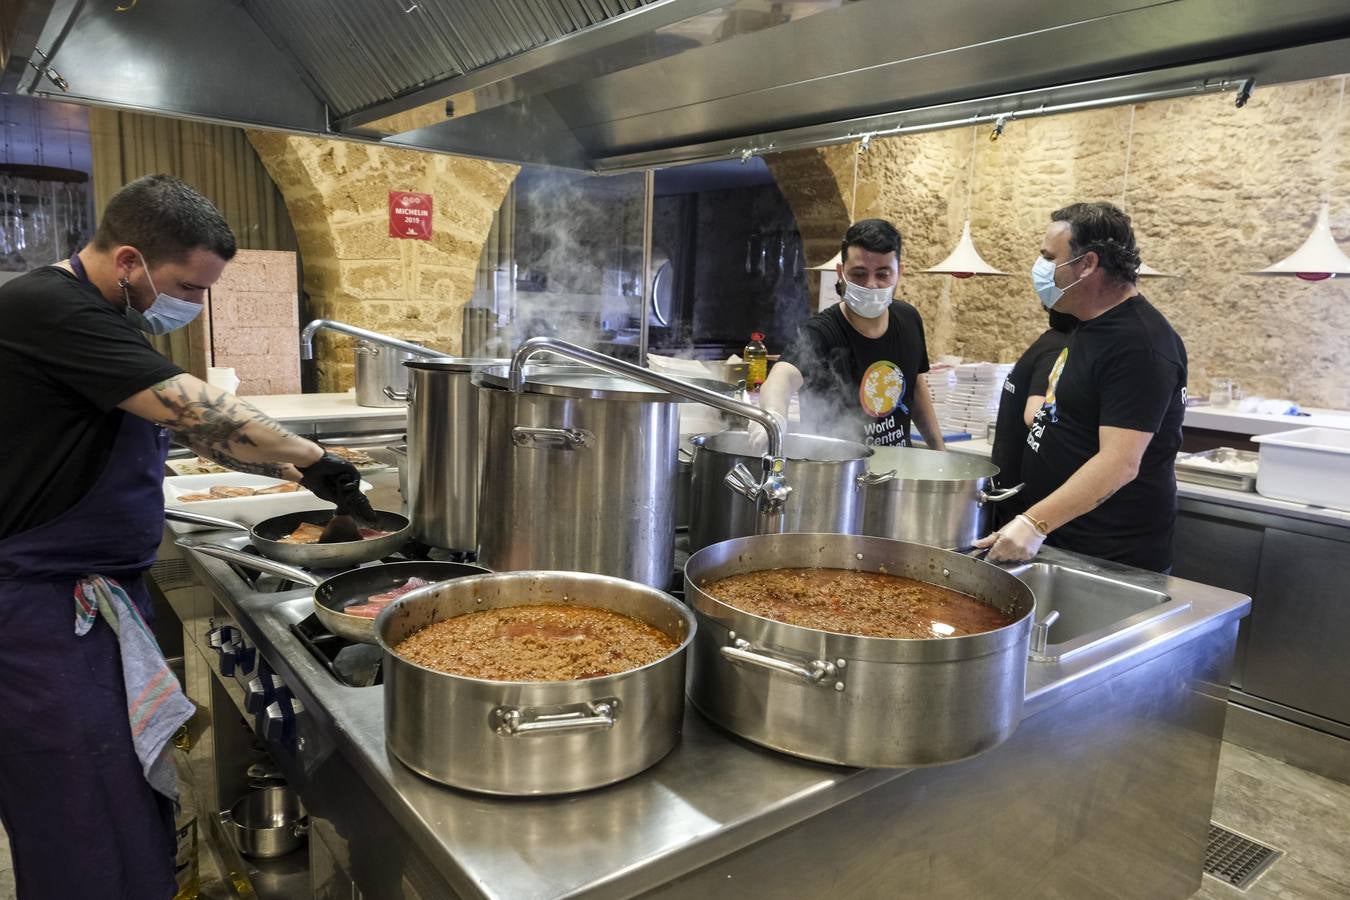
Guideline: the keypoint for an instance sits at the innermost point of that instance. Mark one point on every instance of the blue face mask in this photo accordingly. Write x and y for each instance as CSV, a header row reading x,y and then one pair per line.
x,y
1043,280
166,314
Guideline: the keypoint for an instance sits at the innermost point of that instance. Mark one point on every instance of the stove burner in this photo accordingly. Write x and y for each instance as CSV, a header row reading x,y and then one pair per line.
x,y
355,665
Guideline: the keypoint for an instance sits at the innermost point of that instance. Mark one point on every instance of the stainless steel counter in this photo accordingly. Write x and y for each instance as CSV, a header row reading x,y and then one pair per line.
x,y
715,800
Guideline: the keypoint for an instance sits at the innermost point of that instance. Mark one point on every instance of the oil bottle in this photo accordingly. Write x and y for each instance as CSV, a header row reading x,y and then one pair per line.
x,y
756,362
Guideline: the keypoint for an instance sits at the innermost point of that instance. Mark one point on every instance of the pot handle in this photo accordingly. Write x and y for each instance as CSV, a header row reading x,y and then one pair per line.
x,y
999,496
598,715
551,438
301,827
396,395
819,671
869,478
196,518
257,563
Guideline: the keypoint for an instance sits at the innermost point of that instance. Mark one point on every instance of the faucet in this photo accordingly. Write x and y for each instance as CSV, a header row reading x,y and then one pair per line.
x,y
772,489
307,339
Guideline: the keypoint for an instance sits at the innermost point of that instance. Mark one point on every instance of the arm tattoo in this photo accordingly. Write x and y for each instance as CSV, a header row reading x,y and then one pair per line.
x,y
215,426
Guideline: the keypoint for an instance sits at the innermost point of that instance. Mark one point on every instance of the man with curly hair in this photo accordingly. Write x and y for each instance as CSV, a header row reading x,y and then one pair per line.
x,y
1099,457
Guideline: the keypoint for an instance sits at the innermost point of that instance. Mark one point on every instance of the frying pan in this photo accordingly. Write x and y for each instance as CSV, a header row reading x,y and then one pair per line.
x,y
332,595
266,537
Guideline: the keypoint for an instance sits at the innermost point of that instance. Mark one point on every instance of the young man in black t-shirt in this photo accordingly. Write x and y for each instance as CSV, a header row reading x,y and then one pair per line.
x,y
858,363
1099,457
1023,393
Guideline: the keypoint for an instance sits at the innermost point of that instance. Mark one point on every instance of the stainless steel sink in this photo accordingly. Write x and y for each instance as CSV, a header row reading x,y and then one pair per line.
x,y
1092,608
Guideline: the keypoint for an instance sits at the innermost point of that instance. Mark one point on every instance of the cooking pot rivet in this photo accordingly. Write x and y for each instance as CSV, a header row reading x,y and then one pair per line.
x,y
731,635
839,686
840,663
857,556
946,573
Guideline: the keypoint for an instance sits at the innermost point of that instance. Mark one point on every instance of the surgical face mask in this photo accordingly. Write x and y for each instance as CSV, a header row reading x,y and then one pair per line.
x,y
867,302
166,314
1043,280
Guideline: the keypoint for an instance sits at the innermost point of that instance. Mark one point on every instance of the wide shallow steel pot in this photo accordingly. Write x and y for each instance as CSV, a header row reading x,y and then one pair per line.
x,y
446,435
579,474
933,497
532,737
824,474
851,700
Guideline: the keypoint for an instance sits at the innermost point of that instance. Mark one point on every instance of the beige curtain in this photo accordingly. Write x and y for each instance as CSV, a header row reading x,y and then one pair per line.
x,y
215,159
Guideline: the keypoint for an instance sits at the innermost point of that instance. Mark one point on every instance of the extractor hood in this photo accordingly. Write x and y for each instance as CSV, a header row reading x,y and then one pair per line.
x,y
611,85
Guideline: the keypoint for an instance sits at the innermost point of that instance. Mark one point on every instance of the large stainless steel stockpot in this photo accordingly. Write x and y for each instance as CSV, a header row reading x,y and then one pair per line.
x,y
579,475
446,437
851,700
934,497
381,379
826,492
532,737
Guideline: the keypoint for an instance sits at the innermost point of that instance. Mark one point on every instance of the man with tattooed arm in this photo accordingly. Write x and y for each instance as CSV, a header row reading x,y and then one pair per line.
x,y
88,407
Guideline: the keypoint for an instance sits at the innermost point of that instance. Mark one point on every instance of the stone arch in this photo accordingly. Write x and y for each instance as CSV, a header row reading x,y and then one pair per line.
x,y
819,186
337,194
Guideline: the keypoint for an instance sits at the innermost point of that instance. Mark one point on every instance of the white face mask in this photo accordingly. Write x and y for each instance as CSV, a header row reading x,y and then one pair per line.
x,y
867,302
167,313
1043,280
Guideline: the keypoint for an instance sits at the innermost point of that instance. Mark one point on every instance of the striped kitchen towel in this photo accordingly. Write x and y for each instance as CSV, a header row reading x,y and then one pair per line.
x,y
156,704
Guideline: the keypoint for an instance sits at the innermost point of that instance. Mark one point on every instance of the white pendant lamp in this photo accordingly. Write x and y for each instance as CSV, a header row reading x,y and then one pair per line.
x,y
1319,258
1145,270
965,260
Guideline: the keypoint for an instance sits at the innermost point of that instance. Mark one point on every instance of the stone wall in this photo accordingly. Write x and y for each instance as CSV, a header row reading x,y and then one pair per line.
x,y
337,193
1215,192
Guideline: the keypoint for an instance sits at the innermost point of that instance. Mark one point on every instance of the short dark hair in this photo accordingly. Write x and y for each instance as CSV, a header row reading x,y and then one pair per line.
x,y
876,235
165,219
1104,229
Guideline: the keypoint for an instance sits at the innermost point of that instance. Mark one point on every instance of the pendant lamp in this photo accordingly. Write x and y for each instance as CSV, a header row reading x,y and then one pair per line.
x,y
1319,258
965,260
1145,270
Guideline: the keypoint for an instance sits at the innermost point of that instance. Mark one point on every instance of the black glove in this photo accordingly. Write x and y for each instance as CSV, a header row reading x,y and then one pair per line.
x,y
334,479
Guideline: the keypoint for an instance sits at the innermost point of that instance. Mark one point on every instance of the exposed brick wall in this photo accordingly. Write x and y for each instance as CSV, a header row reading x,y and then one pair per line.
x,y
1215,192
255,322
337,194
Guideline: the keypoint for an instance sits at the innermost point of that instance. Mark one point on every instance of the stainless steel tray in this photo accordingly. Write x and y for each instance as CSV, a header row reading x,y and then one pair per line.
x,y
1189,470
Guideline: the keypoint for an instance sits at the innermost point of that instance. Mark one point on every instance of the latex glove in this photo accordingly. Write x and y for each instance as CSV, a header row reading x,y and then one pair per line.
x,y
759,438
334,479
1017,541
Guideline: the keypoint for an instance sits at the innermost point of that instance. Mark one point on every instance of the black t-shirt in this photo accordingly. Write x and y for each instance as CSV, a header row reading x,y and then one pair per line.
x,y
859,388
1124,369
1028,378
67,358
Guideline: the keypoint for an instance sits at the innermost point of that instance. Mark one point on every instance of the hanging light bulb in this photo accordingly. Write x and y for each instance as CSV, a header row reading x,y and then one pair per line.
x,y
965,260
1319,258
1145,270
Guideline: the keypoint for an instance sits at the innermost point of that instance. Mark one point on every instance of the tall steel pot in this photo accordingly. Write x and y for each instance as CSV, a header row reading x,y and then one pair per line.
x,y
532,737
938,498
381,379
446,438
827,495
851,700
579,474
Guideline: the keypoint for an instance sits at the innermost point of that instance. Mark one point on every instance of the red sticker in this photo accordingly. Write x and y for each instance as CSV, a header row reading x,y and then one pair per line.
x,y
410,215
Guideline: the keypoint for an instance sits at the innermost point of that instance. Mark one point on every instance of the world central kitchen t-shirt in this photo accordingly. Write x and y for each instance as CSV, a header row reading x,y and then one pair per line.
x,y
1124,369
859,388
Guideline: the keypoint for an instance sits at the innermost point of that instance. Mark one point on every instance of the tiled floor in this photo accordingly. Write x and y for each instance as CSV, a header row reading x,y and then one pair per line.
x,y
1305,815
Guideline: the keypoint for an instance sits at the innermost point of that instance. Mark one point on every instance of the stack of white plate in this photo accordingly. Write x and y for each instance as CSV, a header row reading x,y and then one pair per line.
x,y
966,397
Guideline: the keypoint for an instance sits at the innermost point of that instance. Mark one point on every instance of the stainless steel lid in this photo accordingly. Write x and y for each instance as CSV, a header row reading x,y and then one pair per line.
x,y
914,464
455,363
797,447
577,381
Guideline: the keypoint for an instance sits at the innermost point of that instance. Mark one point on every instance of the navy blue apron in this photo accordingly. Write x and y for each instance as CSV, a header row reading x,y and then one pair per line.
x,y
81,818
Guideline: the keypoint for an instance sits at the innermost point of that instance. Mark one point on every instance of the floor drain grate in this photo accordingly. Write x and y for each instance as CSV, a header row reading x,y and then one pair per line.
x,y
1235,859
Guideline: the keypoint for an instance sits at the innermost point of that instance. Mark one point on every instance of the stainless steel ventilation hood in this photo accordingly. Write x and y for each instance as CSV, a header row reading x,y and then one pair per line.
x,y
611,85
